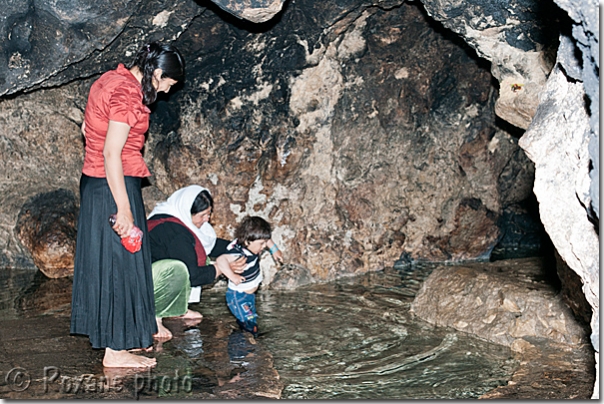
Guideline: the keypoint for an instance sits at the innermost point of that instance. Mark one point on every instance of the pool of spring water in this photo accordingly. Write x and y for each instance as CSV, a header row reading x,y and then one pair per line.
x,y
353,338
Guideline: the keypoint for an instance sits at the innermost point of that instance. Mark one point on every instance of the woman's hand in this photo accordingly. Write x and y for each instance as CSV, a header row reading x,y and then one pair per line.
x,y
238,266
124,222
237,279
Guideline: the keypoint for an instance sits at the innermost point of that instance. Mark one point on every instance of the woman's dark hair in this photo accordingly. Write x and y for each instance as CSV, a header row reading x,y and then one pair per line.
x,y
202,201
252,228
153,56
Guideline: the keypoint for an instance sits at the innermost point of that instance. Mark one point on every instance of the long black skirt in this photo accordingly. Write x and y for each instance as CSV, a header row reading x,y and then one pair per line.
x,y
112,300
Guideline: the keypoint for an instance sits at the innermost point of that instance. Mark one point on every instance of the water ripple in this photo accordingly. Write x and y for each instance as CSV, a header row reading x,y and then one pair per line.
x,y
356,339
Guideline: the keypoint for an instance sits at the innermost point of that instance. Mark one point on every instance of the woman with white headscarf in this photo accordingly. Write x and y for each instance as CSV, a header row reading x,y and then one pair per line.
x,y
182,239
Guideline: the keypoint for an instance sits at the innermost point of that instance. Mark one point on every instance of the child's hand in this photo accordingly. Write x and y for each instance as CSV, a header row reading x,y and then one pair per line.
x,y
278,256
275,252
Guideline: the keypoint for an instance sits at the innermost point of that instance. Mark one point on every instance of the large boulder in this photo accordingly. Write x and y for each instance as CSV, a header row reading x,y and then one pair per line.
x,y
500,302
47,227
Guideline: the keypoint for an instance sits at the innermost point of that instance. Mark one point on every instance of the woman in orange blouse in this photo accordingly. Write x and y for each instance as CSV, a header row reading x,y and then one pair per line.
x,y
112,299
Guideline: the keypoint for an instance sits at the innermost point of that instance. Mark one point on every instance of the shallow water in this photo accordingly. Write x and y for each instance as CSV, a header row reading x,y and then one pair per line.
x,y
350,339
356,339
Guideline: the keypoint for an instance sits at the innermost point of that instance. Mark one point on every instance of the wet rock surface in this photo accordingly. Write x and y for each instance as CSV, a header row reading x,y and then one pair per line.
x,y
291,277
549,370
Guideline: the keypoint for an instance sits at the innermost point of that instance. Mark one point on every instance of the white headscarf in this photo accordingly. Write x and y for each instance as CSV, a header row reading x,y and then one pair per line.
x,y
179,205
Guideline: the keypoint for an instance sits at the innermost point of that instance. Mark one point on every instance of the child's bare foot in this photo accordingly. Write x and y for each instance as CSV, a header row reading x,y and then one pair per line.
x,y
163,334
124,359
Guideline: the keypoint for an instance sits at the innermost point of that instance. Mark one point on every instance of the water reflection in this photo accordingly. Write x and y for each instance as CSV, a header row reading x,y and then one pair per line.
x,y
28,293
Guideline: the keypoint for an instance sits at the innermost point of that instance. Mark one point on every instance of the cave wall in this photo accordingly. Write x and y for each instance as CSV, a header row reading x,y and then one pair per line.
x,y
358,144
41,150
558,142
50,43
562,118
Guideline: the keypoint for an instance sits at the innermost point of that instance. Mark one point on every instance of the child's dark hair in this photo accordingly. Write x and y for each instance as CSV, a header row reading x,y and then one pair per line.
x,y
252,228
153,56
202,201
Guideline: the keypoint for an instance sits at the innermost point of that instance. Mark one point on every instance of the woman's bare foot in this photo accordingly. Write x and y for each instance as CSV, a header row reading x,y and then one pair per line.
x,y
124,359
191,318
190,322
148,349
163,334
192,315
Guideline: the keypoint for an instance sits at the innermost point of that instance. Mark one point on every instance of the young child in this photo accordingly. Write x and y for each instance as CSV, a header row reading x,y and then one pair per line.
x,y
252,236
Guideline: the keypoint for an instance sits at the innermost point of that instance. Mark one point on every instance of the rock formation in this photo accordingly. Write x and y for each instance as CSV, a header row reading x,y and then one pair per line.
x,y
257,11
46,226
342,148
502,301
557,141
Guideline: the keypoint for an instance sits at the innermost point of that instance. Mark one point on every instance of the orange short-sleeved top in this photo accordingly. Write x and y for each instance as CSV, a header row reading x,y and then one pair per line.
x,y
116,96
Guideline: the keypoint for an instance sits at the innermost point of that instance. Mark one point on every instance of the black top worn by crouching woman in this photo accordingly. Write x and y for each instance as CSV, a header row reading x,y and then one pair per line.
x,y
171,240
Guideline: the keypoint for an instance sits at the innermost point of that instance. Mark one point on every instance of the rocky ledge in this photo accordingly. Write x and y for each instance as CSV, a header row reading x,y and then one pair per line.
x,y
512,303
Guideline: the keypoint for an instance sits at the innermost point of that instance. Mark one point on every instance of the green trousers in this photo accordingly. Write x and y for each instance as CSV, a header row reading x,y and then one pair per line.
x,y
171,288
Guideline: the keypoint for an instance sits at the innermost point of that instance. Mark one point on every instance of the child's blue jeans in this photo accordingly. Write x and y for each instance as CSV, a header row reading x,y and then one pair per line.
x,y
243,307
